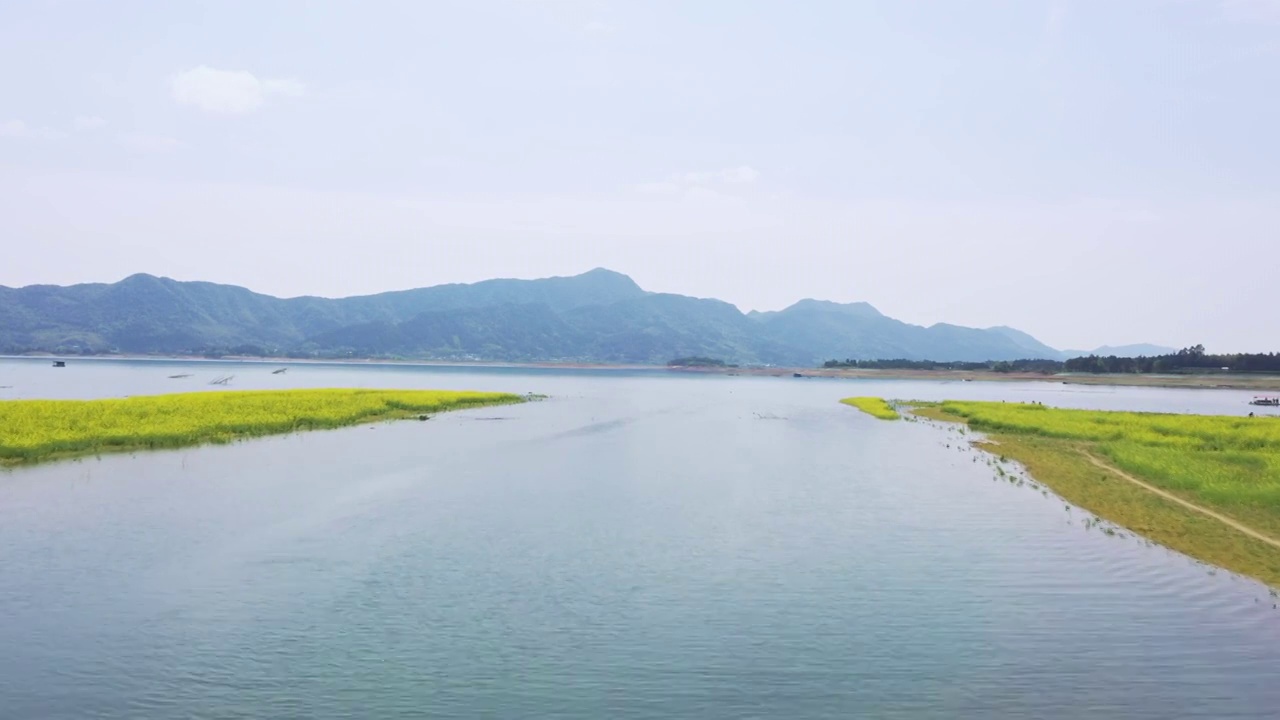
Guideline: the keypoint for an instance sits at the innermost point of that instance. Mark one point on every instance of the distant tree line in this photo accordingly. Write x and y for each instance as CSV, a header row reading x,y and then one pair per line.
x,y
1003,366
1187,360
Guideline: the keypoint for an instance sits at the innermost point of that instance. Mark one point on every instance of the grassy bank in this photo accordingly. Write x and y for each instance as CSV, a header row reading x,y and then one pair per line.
x,y
1228,467
37,430
873,406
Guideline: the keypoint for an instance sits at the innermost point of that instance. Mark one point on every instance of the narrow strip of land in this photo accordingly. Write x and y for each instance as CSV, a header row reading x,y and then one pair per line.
x,y
38,430
1233,524
1204,485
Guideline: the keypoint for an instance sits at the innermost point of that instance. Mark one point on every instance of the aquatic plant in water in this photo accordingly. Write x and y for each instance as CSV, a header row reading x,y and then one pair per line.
x,y
873,406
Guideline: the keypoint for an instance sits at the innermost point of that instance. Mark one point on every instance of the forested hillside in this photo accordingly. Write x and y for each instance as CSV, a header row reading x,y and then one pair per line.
x,y
598,316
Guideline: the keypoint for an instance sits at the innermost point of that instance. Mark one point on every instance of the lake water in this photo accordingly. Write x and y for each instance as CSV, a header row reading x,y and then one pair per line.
x,y
641,545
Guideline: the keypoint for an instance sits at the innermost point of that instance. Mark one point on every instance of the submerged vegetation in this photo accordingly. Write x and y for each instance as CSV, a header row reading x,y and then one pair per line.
x,y
873,406
1207,486
35,430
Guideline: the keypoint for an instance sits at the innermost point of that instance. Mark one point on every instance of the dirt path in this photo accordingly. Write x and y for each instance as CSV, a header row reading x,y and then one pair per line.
x,y
1184,503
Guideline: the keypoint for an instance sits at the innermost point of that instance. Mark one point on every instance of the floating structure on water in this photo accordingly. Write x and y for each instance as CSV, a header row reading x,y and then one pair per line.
x,y
281,371
179,377
221,380
1266,401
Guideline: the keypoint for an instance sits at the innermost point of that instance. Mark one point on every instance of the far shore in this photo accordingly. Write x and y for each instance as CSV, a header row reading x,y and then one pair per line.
x,y
277,361
1227,381
1260,383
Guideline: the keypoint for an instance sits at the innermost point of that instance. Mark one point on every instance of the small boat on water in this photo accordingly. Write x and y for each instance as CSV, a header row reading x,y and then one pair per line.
x,y
59,363
281,371
1266,401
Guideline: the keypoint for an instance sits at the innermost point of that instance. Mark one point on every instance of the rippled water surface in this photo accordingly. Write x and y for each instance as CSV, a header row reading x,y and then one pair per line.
x,y
641,545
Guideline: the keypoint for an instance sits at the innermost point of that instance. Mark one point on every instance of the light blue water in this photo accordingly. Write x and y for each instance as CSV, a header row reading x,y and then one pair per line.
x,y
640,545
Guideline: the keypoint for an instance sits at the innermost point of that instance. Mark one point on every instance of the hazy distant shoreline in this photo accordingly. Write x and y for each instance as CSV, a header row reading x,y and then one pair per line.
x,y
337,361
1270,383
1261,383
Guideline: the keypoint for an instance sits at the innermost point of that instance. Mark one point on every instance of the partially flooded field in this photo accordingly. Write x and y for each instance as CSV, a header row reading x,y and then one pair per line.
x,y
1208,486
36,430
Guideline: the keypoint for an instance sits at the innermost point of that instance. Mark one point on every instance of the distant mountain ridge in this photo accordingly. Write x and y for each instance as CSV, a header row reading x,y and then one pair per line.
x,y
598,316
1136,350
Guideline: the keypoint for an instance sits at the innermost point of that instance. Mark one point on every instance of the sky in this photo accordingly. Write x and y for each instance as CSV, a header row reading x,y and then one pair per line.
x,y
1091,172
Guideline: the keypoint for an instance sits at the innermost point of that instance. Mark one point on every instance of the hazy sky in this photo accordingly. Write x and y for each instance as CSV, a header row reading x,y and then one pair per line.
x,y
1090,172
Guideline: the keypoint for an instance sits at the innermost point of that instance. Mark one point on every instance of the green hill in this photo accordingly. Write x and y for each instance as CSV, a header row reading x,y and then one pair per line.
x,y
598,316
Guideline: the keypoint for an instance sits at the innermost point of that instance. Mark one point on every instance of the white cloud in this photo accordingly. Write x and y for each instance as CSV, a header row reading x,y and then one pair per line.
x,y
1262,11
703,194
734,176
1056,18
233,92
740,174
149,143
19,129
701,182
88,122
659,188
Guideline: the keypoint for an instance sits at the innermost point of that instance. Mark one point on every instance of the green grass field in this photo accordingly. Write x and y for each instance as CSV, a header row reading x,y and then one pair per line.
x,y
36,430
1229,465
873,406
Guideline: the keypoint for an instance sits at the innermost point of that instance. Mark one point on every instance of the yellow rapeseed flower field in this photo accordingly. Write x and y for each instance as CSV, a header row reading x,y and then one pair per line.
x,y
873,406
32,430
1232,463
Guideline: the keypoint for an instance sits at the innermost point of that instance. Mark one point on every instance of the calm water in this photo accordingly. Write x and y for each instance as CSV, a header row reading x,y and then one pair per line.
x,y
639,546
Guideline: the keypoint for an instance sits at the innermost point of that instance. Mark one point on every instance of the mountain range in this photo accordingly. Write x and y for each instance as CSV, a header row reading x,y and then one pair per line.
x,y
1135,350
598,316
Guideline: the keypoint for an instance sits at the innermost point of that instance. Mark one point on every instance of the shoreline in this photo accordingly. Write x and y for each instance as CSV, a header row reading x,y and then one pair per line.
x,y
255,360
1073,470
1225,381
1262,383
